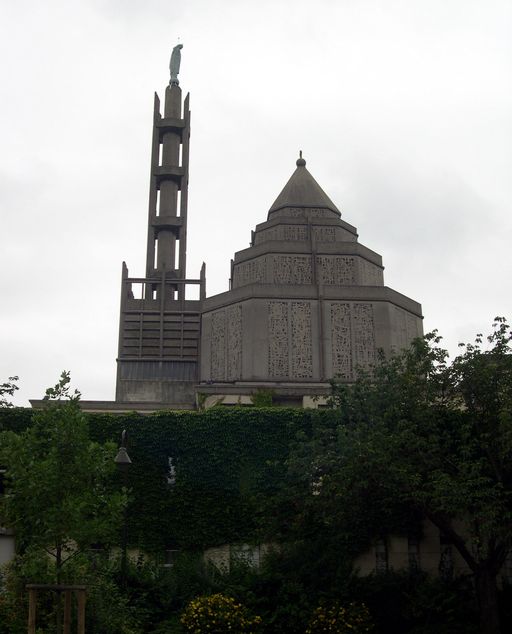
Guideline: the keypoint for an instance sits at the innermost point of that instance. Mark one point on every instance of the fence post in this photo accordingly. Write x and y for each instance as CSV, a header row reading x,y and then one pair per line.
x,y
32,599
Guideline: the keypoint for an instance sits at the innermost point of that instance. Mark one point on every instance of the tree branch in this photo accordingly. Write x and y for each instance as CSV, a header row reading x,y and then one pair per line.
x,y
444,525
73,554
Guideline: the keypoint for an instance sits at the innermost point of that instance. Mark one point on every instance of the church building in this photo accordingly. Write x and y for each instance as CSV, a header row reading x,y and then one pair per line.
x,y
306,304
306,301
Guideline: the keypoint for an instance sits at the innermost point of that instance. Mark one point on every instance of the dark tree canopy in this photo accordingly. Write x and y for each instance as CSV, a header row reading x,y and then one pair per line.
x,y
421,437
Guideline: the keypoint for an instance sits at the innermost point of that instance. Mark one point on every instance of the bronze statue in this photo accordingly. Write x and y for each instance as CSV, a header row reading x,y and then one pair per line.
x,y
174,64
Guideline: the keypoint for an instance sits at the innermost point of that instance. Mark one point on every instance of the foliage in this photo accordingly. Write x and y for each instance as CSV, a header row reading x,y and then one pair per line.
x,y
362,468
228,461
218,614
341,619
13,603
421,437
283,593
230,464
262,398
15,419
404,602
14,599
431,605
59,485
109,609
8,388
201,400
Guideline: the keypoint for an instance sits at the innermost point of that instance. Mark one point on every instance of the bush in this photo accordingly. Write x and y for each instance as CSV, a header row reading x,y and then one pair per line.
x,y
109,609
218,613
338,619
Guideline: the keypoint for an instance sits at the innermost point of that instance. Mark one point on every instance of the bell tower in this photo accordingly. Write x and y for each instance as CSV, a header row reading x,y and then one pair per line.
x,y
167,217
159,326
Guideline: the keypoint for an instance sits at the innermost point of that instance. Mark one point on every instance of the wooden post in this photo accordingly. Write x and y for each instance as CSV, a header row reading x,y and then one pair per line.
x,y
80,629
32,598
68,596
67,612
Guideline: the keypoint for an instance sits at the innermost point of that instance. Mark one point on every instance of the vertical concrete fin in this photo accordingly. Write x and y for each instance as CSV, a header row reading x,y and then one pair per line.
x,y
185,154
153,188
156,108
202,287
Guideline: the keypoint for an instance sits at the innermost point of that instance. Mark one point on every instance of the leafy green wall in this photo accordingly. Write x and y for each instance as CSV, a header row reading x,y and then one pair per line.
x,y
229,462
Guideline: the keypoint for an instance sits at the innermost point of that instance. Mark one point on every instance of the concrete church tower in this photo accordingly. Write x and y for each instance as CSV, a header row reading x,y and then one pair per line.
x,y
307,303
159,328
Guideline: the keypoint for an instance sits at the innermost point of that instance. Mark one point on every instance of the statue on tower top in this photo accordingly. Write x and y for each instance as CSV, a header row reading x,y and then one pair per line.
x,y
174,64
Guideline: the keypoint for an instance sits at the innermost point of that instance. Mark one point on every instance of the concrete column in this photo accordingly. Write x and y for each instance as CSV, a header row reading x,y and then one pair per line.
x,y
166,247
166,251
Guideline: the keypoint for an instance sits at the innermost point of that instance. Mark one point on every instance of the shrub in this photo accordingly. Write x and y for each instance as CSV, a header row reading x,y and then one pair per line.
x,y
338,619
218,613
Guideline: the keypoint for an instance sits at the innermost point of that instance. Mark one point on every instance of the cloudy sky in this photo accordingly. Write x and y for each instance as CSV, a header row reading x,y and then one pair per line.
x,y
401,107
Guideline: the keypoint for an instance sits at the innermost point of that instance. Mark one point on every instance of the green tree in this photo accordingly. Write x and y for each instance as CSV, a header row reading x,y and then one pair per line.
x,y
422,437
7,389
58,496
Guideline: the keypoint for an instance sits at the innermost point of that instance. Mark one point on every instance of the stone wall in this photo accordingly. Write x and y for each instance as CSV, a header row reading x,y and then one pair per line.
x,y
299,340
334,270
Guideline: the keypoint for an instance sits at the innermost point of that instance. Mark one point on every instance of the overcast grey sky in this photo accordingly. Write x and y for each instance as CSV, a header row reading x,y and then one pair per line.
x,y
401,107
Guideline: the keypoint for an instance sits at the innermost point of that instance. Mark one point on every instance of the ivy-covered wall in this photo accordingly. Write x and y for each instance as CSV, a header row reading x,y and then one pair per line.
x,y
228,463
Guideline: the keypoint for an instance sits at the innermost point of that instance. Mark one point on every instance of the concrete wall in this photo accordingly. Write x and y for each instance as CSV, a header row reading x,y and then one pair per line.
x,y
430,551
7,546
178,394
302,339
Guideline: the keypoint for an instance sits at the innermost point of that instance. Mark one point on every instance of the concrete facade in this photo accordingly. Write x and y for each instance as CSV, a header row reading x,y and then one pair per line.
x,y
307,303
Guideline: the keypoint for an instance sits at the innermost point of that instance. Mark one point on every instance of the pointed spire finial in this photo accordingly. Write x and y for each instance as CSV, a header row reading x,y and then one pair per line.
x,y
300,161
